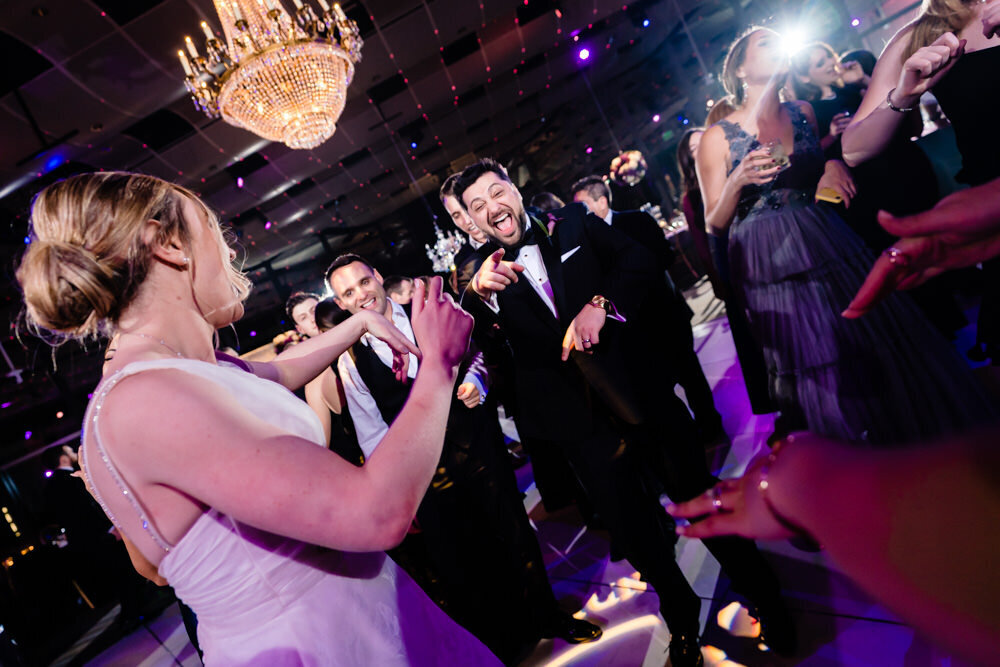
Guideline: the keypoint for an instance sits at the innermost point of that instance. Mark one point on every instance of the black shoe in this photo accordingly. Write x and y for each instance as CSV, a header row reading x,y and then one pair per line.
x,y
685,651
571,630
777,630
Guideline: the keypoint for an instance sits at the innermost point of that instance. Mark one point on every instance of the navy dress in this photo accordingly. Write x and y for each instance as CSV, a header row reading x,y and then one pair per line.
x,y
887,377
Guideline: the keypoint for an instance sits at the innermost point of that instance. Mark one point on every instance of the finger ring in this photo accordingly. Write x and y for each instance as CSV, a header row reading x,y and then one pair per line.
x,y
586,340
897,257
717,499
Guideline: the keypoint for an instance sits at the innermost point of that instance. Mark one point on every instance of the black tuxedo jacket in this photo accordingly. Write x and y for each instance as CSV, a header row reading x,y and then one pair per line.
x,y
642,228
584,257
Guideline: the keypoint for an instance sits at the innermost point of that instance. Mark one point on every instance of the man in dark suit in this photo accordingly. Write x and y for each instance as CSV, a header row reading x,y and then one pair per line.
x,y
590,380
483,554
677,335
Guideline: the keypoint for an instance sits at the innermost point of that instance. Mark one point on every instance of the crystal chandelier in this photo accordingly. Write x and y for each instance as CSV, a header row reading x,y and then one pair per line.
x,y
283,78
446,246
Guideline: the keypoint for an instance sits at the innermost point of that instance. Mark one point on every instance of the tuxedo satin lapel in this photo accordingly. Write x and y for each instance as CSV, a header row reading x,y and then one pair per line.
x,y
549,249
522,290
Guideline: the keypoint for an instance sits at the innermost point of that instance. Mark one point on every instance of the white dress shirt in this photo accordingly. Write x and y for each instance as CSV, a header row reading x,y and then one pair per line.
x,y
368,422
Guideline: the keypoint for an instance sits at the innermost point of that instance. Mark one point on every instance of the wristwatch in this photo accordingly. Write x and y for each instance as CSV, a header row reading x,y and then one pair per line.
x,y
601,302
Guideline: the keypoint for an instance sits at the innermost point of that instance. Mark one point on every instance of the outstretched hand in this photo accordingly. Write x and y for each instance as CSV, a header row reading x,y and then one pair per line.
x,y
962,230
441,327
494,275
742,510
380,327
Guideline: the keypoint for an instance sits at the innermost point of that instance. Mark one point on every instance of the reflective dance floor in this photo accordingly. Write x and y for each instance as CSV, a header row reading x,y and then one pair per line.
x,y
837,624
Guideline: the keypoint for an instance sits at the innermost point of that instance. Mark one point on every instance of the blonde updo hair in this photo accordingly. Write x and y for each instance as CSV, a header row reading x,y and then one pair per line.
x,y
87,255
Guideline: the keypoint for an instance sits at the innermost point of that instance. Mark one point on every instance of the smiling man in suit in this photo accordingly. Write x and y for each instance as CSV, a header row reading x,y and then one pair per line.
x,y
579,311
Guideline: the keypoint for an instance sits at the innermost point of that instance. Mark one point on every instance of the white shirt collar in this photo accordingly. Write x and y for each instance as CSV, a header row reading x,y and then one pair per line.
x,y
476,245
608,217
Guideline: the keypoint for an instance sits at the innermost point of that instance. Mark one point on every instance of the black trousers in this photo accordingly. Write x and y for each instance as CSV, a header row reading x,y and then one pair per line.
x,y
615,483
477,554
666,444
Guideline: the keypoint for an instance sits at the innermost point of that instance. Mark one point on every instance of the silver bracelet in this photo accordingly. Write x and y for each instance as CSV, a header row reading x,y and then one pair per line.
x,y
888,100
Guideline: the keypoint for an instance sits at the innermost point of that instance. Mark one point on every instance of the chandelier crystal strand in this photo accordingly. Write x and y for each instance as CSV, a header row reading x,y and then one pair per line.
x,y
282,76
446,246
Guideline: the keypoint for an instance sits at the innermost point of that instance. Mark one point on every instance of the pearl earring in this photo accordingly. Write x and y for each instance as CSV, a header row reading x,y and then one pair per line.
x,y
186,261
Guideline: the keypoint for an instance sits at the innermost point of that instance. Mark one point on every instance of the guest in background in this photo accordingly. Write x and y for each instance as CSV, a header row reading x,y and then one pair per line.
x,y
833,90
748,350
399,289
949,50
546,201
301,309
325,394
678,338
900,180
797,264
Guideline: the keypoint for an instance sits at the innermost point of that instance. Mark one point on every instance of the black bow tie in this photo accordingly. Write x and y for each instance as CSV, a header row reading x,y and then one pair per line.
x,y
529,237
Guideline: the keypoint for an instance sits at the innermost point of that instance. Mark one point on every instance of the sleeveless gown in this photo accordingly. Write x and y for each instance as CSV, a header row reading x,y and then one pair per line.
x,y
264,599
885,378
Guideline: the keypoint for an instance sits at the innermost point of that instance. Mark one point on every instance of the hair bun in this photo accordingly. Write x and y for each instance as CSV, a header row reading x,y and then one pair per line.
x,y
67,288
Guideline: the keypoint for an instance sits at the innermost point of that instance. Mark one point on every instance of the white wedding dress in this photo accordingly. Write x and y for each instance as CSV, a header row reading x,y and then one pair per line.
x,y
267,600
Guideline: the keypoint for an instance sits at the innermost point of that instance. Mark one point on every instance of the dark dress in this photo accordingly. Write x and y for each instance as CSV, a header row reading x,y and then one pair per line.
x,y
888,377
747,348
899,180
969,94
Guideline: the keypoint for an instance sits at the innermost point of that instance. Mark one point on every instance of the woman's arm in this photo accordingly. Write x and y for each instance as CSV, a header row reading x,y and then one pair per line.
x,y
314,399
174,430
300,363
916,528
142,564
720,191
875,123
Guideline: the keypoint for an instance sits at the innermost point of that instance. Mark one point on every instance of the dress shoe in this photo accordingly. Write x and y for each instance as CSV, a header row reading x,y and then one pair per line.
x,y
571,630
685,651
777,629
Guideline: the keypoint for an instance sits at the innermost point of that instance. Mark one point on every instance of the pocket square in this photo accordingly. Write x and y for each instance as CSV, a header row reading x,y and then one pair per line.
x,y
568,254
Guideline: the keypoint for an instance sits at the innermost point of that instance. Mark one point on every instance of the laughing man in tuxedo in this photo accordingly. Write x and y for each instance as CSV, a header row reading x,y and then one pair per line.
x,y
579,311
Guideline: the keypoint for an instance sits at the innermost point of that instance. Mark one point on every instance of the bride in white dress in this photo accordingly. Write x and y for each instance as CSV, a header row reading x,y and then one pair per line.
x,y
215,472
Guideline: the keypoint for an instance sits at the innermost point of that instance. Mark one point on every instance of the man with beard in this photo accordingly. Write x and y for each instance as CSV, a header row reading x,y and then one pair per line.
x,y
591,380
483,554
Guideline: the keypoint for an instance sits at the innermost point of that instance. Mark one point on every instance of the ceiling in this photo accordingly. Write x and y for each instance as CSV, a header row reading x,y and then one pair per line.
x,y
95,84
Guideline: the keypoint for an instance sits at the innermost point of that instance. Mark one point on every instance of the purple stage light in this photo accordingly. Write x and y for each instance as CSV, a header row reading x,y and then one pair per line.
x,y
855,22
239,182
267,225
656,118
27,435
253,334
48,473
584,54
